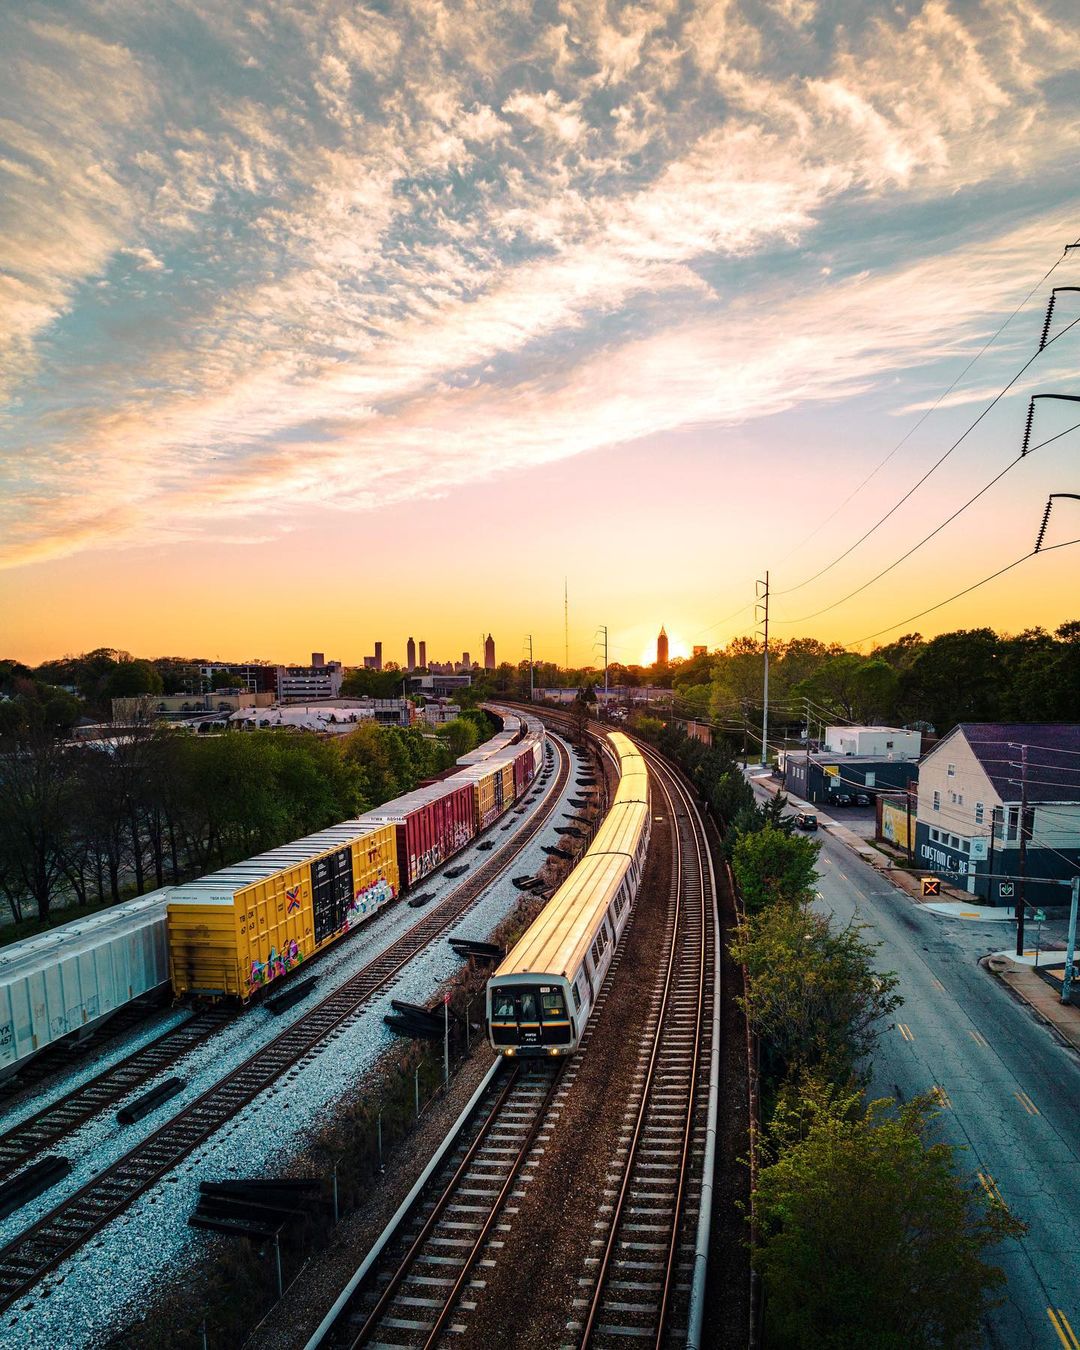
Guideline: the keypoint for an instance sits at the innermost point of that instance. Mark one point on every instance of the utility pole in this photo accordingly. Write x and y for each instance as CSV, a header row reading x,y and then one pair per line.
x,y
529,639
761,610
1021,890
566,626
603,629
1070,946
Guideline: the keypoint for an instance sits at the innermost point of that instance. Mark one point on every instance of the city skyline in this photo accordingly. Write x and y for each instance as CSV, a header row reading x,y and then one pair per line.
x,y
657,302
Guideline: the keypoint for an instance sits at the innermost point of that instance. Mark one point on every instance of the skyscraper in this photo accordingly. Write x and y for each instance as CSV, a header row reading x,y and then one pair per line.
x,y
489,653
662,648
410,655
423,654
378,655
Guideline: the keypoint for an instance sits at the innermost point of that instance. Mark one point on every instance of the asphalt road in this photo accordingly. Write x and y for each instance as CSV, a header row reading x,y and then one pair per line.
x,y
1010,1092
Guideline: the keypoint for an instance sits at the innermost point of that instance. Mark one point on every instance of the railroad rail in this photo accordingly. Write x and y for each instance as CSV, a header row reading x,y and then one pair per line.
x,y
33,1136
644,1278
424,1263
36,1251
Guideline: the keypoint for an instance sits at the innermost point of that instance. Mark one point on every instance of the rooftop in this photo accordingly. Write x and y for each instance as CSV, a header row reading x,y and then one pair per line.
x,y
1053,757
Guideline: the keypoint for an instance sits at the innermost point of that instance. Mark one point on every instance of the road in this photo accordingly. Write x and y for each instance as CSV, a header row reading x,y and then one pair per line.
x,y
1010,1092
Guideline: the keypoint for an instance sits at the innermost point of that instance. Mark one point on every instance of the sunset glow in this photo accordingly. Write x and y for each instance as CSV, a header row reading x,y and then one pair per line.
x,y
314,323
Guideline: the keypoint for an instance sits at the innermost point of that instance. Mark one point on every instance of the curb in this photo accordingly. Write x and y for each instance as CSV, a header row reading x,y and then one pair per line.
x,y
1068,1035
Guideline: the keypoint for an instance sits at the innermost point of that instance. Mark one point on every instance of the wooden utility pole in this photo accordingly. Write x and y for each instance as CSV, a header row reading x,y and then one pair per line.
x,y
1021,888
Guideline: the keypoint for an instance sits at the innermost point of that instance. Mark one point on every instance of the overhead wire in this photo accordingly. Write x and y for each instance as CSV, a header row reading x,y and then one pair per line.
x,y
940,399
1068,543
937,530
933,468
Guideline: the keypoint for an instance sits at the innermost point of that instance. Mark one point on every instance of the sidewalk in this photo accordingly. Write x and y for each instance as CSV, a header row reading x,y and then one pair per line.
x,y
1040,989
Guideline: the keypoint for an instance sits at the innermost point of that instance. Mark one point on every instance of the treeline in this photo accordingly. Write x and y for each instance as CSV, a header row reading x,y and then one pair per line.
x,y
92,823
863,1232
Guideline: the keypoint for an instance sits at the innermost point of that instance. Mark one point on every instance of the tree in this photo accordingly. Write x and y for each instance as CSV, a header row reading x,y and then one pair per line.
x,y
35,805
773,866
460,736
868,1238
815,999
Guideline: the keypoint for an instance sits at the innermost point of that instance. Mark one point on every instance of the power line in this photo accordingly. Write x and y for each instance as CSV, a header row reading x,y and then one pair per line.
x,y
966,591
940,399
948,521
932,469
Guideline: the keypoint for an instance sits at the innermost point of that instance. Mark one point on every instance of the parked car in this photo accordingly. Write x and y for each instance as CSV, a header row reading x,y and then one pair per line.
x,y
863,799
841,799
806,820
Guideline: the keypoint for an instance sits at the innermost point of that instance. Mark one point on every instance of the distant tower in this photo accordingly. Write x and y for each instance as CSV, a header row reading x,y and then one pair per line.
x,y
489,653
661,648
318,659
423,654
378,655
410,655
466,663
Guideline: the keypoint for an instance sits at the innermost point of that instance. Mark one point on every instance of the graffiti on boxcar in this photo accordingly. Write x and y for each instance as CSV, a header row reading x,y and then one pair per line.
x,y
275,965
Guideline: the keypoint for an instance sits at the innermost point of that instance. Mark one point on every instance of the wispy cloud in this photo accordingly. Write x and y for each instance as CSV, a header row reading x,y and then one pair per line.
x,y
342,258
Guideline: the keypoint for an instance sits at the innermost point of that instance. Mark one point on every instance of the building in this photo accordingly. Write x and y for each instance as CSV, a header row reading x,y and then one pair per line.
x,y
258,677
410,655
489,653
971,787
437,684
318,658
873,742
331,719
439,711
701,651
662,648
147,708
466,664
853,759
423,654
302,684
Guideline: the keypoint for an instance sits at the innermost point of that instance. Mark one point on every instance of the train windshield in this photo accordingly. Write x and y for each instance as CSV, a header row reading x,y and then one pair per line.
x,y
554,1005
502,1005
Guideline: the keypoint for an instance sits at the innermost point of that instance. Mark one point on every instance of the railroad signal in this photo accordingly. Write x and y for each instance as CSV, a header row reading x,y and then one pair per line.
x,y
931,886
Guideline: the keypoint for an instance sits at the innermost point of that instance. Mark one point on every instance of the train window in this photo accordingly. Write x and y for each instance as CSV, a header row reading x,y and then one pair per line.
x,y
577,997
527,1007
502,1005
551,1001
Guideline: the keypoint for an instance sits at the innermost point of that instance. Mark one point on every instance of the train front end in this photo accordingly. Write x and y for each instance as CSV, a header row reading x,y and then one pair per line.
x,y
529,1015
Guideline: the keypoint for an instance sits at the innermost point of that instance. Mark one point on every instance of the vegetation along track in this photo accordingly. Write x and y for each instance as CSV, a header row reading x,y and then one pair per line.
x,y
647,1284
65,1228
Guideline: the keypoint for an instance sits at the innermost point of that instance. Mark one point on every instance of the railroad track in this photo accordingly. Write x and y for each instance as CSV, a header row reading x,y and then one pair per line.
x,y
55,1122
424,1271
64,1229
643,1279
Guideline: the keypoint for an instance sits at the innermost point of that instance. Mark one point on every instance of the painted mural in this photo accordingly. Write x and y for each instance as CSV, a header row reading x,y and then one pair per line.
x,y
368,899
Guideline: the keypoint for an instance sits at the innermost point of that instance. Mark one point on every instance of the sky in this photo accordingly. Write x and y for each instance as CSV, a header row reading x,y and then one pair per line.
x,y
323,322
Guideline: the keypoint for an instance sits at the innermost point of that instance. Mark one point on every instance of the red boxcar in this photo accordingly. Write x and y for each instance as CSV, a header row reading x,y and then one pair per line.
x,y
524,768
432,824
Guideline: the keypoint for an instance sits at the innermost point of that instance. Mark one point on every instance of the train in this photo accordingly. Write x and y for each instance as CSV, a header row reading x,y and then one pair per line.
x,y
234,932
541,996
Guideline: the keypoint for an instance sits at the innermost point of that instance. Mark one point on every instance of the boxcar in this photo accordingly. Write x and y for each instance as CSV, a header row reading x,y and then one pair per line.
x,y
63,982
432,824
239,929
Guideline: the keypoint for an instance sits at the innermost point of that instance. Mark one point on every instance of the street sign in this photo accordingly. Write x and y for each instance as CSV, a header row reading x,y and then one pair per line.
x,y
832,770
931,886
979,849
1006,889
1040,916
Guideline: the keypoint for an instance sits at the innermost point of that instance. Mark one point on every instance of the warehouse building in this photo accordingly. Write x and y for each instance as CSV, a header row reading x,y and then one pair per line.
x,y
852,759
968,826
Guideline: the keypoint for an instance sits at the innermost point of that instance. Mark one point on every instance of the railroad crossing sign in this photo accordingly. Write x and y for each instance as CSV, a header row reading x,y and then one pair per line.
x,y
931,886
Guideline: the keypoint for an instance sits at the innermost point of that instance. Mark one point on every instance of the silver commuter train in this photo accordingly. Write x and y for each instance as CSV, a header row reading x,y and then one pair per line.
x,y
541,997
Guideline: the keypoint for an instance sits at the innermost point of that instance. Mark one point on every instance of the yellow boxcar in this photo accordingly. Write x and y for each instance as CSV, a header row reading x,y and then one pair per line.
x,y
237,930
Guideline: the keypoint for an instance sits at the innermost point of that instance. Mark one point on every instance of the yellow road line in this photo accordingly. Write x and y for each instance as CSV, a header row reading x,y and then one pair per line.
x,y
1060,1323
969,914
978,1037
905,1031
941,1096
990,1186
1026,1102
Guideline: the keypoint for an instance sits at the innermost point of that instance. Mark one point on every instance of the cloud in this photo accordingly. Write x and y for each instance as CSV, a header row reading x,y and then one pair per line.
x,y
405,253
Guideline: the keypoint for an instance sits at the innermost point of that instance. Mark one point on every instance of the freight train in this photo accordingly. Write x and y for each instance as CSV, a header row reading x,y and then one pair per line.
x,y
541,997
238,930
